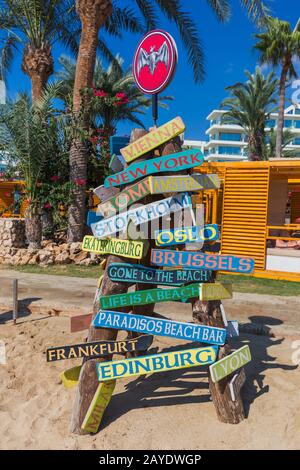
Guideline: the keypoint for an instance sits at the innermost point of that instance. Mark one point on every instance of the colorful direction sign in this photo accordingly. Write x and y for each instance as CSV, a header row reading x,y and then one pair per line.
x,y
154,61
192,234
104,193
135,273
174,162
140,215
115,246
236,384
149,296
153,139
177,184
70,377
230,363
98,405
122,201
99,348
215,291
198,260
160,327
156,363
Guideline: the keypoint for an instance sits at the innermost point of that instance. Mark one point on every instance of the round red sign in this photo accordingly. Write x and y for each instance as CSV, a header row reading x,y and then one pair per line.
x,y
154,61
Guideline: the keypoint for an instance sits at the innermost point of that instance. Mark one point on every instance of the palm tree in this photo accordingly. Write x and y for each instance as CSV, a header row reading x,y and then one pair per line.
x,y
36,25
270,146
249,106
96,14
279,45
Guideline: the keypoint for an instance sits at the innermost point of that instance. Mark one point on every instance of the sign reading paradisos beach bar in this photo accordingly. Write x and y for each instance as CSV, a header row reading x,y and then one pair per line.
x,y
153,139
156,363
197,260
160,327
174,162
135,273
114,246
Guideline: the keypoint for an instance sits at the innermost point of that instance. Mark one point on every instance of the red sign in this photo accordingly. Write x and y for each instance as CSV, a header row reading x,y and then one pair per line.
x,y
154,61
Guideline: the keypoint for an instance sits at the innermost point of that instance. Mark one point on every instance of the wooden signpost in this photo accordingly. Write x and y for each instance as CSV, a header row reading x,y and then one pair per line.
x,y
178,184
99,348
80,322
98,406
215,291
192,234
122,201
153,139
199,260
160,327
141,215
229,364
174,162
150,296
135,273
115,246
236,384
157,363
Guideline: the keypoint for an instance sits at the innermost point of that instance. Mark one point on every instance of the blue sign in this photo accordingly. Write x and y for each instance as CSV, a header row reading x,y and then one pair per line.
x,y
160,327
93,218
116,142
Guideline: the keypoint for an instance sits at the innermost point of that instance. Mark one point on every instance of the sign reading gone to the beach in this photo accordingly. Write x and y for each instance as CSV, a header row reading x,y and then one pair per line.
x,y
149,296
140,215
114,246
174,162
125,199
197,260
99,348
98,405
215,291
230,363
135,273
153,139
156,363
160,327
178,236
178,184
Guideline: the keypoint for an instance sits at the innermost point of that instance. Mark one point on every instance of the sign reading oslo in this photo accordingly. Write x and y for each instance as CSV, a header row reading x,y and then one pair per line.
x,y
160,327
156,363
178,236
136,273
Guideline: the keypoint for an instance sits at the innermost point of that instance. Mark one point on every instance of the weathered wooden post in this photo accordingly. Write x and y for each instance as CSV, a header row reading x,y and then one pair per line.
x,y
15,300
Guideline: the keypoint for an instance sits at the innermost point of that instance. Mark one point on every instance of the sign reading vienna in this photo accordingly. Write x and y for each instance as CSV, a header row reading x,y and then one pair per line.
x,y
154,61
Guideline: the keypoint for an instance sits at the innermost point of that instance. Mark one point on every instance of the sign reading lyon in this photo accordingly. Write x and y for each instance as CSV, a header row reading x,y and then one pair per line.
x,y
177,184
98,405
160,327
178,236
114,246
230,363
156,363
135,273
153,139
174,162
197,260
140,215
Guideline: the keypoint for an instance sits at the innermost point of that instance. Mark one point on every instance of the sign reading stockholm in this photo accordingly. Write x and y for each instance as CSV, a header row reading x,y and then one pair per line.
x,y
159,327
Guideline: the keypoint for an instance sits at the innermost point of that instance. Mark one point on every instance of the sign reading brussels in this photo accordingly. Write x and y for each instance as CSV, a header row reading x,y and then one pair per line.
x,y
154,61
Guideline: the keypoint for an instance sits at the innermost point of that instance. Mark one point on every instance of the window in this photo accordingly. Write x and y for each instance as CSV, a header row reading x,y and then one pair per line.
x,y
288,123
296,141
270,123
230,136
297,124
229,150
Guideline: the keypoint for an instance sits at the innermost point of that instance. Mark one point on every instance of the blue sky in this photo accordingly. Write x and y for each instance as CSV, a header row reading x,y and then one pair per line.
x,y
228,50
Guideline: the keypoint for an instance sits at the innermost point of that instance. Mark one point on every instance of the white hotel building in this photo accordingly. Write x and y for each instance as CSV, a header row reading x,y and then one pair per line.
x,y
228,142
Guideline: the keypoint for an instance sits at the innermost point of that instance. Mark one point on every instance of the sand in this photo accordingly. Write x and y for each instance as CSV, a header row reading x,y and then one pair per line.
x,y
169,410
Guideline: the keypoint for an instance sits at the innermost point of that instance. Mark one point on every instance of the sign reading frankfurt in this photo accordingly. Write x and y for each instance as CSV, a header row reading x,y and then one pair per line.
x,y
177,184
173,162
153,139
136,273
178,236
114,246
230,363
197,260
156,363
160,327
154,61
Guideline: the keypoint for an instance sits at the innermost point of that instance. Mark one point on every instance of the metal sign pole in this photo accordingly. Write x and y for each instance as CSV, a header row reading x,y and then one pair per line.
x,y
155,108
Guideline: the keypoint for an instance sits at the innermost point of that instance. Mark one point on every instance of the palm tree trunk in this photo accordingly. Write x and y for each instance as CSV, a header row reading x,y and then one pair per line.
x,y
38,65
33,228
92,13
280,122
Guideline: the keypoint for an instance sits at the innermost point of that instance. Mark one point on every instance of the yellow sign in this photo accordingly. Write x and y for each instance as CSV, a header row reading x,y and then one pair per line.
x,y
70,377
97,407
153,139
177,184
215,291
114,246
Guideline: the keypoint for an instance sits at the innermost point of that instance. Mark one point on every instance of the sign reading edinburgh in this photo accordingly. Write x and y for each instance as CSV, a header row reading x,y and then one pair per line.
x,y
154,61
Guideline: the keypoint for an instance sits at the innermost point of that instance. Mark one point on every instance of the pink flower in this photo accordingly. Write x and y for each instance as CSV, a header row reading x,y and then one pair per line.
x,y
7,194
94,139
121,96
80,181
47,205
54,178
100,93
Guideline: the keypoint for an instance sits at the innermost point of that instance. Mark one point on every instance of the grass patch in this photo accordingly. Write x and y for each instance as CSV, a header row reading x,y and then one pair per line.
x,y
254,285
71,270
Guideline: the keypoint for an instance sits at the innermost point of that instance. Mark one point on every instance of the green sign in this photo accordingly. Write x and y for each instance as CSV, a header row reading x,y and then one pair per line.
x,y
230,363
